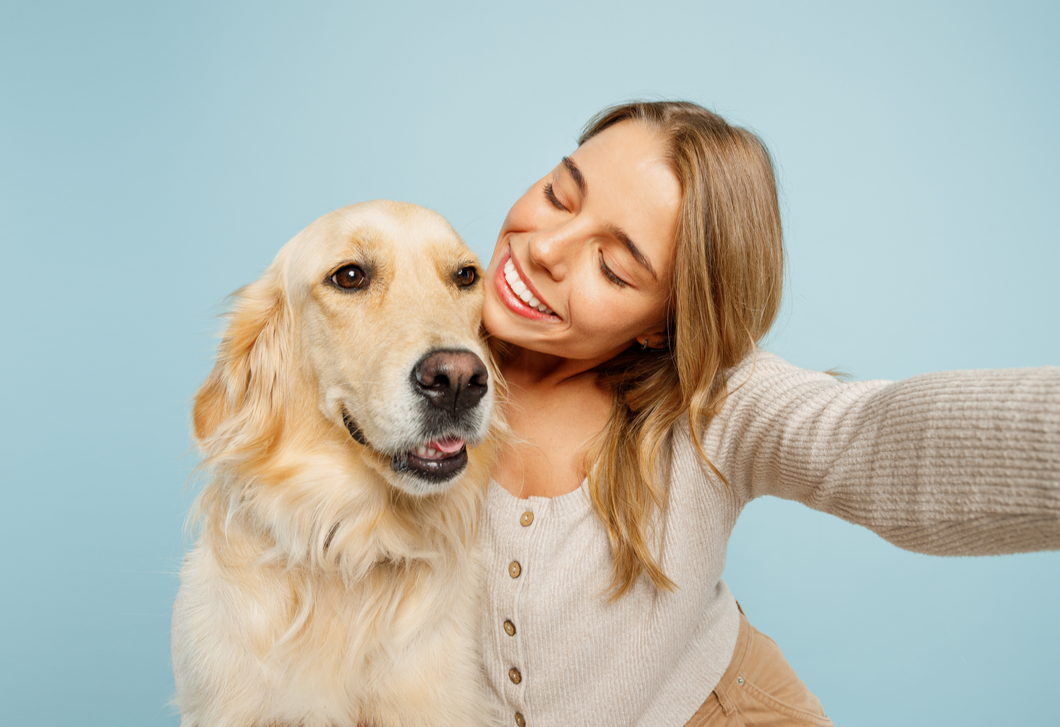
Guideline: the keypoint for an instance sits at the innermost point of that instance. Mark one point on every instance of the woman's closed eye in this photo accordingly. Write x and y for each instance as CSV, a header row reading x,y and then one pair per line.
x,y
550,195
610,274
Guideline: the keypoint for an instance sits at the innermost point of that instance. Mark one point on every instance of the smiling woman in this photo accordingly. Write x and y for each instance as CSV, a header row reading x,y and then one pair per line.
x,y
571,247
627,292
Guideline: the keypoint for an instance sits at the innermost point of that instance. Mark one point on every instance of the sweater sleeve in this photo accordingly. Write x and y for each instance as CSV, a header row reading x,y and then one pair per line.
x,y
956,463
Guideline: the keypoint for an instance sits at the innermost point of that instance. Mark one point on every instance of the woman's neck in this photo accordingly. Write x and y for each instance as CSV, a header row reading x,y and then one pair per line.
x,y
555,406
534,369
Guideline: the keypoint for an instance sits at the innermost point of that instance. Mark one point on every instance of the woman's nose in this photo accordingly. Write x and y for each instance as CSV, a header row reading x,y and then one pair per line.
x,y
551,249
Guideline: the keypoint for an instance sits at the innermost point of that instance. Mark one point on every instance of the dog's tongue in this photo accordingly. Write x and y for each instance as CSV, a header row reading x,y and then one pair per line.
x,y
449,446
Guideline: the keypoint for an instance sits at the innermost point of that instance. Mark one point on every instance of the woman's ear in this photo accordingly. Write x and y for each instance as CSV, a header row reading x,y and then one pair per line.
x,y
243,392
655,338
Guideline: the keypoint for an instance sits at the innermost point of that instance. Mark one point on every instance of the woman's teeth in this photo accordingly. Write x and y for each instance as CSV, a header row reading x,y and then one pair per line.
x,y
519,288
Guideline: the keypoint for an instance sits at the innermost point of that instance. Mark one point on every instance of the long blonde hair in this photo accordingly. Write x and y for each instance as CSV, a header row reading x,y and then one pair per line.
x,y
725,292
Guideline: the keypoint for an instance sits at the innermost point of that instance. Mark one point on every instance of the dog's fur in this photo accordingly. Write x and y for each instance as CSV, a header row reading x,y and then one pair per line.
x,y
332,585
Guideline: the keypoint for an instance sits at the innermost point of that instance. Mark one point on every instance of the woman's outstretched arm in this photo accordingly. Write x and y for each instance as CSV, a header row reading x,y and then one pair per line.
x,y
955,463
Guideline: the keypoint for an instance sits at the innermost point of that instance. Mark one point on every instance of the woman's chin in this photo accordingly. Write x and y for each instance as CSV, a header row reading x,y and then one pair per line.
x,y
500,322
503,325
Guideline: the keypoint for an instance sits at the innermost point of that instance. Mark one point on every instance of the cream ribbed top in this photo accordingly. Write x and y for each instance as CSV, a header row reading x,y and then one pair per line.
x,y
959,463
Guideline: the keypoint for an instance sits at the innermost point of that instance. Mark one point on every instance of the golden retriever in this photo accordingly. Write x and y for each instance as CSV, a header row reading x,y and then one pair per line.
x,y
346,429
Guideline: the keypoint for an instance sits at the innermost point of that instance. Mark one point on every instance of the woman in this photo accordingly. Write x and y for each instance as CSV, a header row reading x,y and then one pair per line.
x,y
625,297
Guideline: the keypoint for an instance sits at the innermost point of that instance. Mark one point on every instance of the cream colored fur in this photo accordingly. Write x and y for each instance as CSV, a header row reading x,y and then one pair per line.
x,y
326,588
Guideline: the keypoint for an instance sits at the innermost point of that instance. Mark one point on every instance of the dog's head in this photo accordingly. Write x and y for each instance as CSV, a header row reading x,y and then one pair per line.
x,y
365,328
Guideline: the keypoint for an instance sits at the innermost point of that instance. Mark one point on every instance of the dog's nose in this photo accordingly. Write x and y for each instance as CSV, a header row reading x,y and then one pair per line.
x,y
451,380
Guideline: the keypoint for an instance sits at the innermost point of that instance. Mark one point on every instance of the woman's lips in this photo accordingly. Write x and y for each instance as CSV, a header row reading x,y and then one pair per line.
x,y
512,300
521,285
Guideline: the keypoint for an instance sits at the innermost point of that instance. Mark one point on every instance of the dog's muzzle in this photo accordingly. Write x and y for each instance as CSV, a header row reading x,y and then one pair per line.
x,y
452,385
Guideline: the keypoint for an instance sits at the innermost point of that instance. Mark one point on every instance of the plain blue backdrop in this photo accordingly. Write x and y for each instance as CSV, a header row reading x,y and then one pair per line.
x,y
155,156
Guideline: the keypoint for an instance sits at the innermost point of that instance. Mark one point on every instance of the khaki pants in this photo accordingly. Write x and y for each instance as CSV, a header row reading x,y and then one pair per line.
x,y
759,689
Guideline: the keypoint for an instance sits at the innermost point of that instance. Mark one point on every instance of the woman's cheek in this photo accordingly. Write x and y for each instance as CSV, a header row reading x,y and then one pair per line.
x,y
493,318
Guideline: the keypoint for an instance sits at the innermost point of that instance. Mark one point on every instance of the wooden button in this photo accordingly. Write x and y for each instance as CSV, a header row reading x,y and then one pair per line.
x,y
519,720
513,569
526,519
514,675
509,628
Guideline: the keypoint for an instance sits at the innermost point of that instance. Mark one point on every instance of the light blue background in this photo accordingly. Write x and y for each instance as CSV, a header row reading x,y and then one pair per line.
x,y
154,157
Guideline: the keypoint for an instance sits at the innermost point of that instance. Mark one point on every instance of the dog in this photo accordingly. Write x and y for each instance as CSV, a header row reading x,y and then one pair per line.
x,y
346,429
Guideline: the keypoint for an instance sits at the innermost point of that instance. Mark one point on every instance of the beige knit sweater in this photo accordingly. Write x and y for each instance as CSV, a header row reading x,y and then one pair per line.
x,y
960,463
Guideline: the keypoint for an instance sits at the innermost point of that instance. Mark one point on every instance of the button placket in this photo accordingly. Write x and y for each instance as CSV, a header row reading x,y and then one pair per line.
x,y
514,568
516,572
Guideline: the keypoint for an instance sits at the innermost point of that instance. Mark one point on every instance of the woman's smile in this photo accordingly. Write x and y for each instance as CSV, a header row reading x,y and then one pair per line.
x,y
519,294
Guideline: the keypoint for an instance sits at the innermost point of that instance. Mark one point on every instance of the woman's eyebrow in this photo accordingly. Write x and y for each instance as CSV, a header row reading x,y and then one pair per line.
x,y
619,234
577,175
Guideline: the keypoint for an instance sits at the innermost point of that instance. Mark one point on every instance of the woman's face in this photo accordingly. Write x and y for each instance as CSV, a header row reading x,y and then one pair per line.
x,y
583,261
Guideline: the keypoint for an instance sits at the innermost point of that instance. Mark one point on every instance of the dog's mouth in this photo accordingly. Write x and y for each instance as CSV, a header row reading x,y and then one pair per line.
x,y
436,461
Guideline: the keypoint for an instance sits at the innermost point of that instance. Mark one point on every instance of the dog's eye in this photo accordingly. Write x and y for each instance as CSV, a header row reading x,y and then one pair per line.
x,y
349,277
466,276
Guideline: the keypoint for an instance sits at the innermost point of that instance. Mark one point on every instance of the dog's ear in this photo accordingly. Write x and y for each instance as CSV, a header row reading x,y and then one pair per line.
x,y
244,392
211,404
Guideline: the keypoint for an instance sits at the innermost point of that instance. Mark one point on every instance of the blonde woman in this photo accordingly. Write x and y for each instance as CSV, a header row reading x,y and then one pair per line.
x,y
625,298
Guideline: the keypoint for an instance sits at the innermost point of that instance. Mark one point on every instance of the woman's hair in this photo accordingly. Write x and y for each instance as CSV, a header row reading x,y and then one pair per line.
x,y
724,295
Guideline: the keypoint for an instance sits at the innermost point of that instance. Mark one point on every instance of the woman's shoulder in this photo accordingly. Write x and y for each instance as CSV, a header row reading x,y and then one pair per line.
x,y
761,379
764,367
768,405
